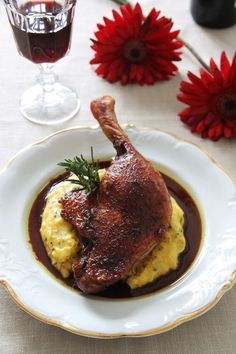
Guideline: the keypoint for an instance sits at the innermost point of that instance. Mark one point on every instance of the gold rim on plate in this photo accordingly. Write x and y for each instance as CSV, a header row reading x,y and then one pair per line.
x,y
225,287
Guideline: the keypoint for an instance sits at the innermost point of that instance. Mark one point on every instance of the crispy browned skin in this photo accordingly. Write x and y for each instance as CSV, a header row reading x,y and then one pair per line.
x,y
127,216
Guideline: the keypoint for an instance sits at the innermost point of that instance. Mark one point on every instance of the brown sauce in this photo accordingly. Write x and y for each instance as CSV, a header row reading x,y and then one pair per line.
x,y
192,229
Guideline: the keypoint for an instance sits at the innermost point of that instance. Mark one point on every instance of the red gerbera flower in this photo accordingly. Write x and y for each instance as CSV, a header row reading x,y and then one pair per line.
x,y
211,99
134,48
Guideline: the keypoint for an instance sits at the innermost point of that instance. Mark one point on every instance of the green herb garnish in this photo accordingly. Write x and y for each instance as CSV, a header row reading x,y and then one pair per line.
x,y
87,172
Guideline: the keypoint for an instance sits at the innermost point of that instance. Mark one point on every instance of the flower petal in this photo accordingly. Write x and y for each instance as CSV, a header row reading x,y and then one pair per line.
x,y
207,98
129,25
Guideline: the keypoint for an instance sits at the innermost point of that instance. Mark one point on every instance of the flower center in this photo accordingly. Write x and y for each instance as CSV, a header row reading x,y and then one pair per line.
x,y
135,51
226,104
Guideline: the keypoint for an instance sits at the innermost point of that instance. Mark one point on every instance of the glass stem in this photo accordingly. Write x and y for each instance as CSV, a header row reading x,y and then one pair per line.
x,y
47,78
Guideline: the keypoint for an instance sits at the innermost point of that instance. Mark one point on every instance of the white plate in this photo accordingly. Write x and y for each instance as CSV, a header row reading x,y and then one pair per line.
x,y
44,297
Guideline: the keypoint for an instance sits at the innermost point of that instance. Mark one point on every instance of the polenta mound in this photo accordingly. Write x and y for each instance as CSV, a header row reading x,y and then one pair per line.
x,y
62,244
164,257
59,237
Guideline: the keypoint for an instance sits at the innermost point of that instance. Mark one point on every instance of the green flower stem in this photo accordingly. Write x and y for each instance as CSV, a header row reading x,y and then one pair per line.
x,y
121,2
195,54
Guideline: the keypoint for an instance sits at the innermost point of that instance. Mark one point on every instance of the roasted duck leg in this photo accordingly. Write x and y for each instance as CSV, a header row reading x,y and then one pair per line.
x,y
127,216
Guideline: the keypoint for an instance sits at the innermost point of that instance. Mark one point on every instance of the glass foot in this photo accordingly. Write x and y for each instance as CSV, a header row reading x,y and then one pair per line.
x,y
49,107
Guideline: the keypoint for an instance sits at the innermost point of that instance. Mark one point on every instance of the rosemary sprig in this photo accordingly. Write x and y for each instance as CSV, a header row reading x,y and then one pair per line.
x,y
87,173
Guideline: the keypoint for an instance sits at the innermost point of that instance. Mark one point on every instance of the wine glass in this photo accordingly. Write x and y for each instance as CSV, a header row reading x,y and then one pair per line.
x,y
42,32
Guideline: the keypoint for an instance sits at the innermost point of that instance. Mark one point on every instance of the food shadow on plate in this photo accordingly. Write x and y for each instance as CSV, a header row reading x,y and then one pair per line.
x,y
119,308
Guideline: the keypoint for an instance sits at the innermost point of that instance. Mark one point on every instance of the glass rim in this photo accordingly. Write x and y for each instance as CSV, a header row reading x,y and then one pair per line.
x,y
8,5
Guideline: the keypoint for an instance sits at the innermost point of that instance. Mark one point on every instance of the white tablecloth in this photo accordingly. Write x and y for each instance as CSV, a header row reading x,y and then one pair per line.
x,y
154,106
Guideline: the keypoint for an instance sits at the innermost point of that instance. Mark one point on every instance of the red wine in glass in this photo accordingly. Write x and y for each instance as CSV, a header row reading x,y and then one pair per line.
x,y
41,43
42,31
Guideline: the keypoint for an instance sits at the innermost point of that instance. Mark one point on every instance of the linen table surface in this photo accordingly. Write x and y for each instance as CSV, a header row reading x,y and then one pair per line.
x,y
149,106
